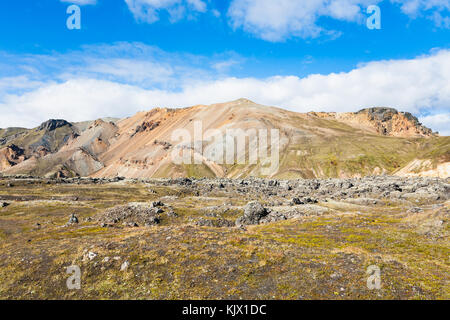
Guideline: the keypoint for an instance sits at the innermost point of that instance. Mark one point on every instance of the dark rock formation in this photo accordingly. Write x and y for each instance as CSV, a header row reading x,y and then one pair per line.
x,y
253,213
52,124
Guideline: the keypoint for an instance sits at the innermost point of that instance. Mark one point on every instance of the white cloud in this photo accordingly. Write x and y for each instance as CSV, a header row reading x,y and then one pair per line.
x,y
128,63
197,5
80,2
434,10
149,10
223,66
420,86
77,100
282,19
440,21
439,122
415,7
132,71
18,84
278,20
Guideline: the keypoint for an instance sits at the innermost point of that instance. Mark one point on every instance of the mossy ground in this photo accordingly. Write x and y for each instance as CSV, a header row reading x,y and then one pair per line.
x,y
316,257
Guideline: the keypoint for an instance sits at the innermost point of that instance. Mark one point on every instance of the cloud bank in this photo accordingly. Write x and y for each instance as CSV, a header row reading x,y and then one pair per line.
x,y
280,20
149,11
283,19
101,84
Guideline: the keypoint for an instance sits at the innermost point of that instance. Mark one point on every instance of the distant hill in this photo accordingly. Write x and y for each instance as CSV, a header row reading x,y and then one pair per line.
x,y
372,141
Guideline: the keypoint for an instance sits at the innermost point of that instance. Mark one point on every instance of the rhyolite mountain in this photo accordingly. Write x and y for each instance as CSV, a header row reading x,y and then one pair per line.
x,y
372,141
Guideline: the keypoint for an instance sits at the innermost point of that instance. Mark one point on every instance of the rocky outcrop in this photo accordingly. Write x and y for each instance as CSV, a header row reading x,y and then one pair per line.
x,y
41,151
10,156
253,213
147,126
131,215
48,138
382,121
390,122
52,125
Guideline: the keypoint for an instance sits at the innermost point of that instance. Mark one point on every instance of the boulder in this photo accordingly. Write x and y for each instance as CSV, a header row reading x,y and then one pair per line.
x,y
73,219
157,204
253,213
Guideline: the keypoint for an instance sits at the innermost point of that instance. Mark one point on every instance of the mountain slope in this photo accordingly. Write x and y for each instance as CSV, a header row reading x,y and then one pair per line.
x,y
369,142
50,135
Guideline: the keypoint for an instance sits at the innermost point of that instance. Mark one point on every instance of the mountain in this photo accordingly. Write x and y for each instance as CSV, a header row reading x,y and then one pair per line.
x,y
372,141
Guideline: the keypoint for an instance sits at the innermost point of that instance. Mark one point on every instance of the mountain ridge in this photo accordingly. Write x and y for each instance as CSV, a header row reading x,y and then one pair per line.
x,y
372,141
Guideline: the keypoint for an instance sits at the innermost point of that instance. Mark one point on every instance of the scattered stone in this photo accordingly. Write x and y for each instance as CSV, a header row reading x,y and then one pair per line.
x,y
242,228
273,217
157,204
152,221
309,200
131,224
171,214
73,219
253,213
298,201
415,210
130,215
91,255
124,266
217,223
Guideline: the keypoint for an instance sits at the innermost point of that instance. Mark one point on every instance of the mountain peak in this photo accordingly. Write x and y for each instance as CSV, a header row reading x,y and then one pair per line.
x,y
53,124
380,113
316,144
389,121
243,101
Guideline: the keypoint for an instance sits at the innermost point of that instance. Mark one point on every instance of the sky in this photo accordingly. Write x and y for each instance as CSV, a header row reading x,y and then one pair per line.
x,y
301,55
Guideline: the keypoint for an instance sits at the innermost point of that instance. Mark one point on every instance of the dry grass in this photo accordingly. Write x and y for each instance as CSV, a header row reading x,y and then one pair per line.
x,y
317,257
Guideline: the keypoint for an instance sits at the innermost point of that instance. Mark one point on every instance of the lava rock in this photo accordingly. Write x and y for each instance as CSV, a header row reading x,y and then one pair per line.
x,y
298,201
415,210
73,219
157,204
172,214
253,213
152,221
217,223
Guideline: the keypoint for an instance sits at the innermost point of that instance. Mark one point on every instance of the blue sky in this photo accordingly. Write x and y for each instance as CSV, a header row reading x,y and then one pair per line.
x,y
302,55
